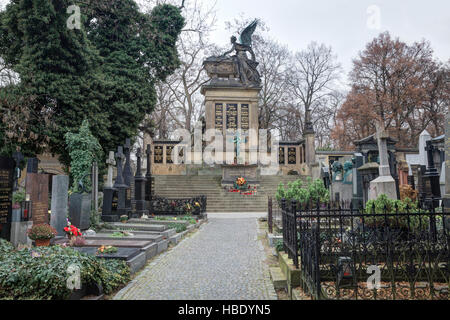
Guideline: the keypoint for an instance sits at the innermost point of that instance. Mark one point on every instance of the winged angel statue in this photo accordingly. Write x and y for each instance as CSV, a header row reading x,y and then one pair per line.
x,y
248,73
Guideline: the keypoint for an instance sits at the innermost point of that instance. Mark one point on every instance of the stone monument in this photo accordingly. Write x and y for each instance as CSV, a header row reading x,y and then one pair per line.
x,y
385,183
139,188
80,204
446,197
128,174
148,174
6,187
120,185
60,202
109,193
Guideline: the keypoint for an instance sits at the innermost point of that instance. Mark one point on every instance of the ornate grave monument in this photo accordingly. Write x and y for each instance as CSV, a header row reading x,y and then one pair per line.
x,y
109,208
139,189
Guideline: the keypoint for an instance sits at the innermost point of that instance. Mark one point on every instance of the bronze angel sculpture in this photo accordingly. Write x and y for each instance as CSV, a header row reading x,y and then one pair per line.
x,y
247,68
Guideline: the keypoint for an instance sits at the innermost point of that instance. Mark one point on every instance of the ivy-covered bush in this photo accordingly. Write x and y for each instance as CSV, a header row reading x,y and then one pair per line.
x,y
41,273
84,149
311,191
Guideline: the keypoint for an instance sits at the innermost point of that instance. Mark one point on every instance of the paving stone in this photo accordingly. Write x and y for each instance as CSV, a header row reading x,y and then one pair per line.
x,y
224,260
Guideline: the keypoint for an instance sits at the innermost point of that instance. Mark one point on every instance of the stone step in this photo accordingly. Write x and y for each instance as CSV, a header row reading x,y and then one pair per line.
x,y
278,278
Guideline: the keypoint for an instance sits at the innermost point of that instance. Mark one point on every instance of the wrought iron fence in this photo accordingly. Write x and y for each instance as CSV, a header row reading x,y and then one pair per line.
x,y
347,253
169,206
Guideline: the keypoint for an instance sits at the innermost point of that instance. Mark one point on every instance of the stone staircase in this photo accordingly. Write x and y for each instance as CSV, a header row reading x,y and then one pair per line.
x,y
220,200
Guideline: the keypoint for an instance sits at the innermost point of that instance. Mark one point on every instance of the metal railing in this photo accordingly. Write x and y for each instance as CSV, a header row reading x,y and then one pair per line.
x,y
338,248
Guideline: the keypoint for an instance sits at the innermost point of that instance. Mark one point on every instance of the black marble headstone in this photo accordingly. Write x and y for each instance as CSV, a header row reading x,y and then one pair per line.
x,y
6,187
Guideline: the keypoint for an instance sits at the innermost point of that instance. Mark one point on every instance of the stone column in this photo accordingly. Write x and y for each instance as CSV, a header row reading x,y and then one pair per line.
x,y
59,205
309,135
358,197
127,173
384,184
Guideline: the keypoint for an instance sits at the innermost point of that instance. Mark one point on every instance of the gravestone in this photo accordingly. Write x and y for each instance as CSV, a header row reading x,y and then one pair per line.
x,y
109,209
60,202
446,196
6,189
80,210
128,174
119,184
357,198
94,191
385,183
431,176
36,186
139,188
148,175
423,138
32,165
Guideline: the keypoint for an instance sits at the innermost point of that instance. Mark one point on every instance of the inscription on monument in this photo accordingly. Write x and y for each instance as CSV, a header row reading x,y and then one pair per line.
x,y
281,156
219,116
6,187
244,117
158,154
169,150
37,187
292,156
232,116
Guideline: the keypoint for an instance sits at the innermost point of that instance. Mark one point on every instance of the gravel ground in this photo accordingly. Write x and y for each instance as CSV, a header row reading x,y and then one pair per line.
x,y
224,260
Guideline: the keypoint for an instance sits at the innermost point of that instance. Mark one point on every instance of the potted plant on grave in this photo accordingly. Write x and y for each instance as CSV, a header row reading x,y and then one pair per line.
x,y
42,234
124,218
71,230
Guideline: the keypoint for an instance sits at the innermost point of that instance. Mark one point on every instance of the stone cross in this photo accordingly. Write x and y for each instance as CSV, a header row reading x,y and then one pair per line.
x,y
385,183
119,160
111,162
383,152
138,165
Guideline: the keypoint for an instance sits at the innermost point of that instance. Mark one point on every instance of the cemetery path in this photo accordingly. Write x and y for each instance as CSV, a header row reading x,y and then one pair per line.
x,y
224,260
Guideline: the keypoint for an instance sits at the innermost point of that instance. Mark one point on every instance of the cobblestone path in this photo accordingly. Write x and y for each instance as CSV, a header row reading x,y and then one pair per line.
x,y
221,261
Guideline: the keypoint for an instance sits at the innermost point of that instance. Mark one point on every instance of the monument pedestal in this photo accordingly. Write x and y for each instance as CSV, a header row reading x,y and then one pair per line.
x,y
382,185
109,210
231,172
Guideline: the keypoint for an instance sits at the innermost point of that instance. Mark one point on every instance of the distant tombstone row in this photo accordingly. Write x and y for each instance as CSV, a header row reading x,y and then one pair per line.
x,y
118,198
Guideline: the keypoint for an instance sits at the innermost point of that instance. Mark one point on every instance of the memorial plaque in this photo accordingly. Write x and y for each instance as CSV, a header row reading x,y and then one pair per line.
x,y
169,150
158,154
219,116
245,117
6,188
232,116
292,156
37,187
281,155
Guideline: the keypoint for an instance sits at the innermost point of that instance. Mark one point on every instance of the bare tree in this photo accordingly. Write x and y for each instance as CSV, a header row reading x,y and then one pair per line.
x,y
312,78
180,103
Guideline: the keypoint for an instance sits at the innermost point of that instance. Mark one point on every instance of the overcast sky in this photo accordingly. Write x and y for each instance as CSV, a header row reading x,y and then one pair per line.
x,y
345,25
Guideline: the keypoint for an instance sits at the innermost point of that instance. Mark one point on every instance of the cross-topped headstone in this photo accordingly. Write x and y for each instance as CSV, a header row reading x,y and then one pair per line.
x,y
385,183
429,148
